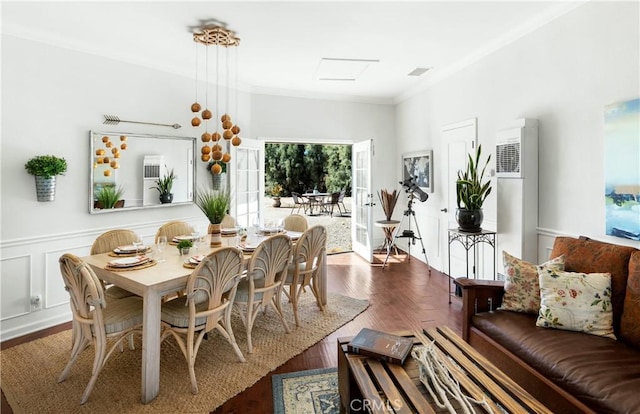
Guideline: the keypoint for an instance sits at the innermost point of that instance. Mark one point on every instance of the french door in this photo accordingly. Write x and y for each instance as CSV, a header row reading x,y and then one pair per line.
x,y
247,181
362,200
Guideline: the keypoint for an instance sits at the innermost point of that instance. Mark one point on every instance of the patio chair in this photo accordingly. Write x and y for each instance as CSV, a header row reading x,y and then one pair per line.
x,y
299,202
332,201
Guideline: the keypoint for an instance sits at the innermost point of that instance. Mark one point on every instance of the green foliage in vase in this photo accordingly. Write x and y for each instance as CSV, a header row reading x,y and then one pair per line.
x,y
108,196
214,204
471,191
46,166
165,184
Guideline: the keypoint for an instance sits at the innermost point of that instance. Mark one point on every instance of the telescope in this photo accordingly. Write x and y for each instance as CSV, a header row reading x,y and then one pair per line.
x,y
411,187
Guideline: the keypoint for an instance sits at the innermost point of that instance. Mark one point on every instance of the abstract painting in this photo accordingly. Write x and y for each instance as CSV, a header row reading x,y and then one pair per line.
x,y
622,169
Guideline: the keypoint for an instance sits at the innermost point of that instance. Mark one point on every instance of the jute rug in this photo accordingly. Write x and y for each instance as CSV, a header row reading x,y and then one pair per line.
x,y
30,371
306,392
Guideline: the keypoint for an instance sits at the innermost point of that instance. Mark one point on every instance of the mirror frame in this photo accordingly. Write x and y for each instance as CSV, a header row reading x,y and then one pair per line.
x,y
93,135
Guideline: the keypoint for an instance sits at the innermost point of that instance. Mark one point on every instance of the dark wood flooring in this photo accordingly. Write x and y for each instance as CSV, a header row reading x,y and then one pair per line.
x,y
402,295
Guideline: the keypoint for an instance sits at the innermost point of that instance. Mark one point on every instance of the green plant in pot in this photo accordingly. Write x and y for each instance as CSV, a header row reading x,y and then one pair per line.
x,y
45,168
215,205
109,196
471,191
164,186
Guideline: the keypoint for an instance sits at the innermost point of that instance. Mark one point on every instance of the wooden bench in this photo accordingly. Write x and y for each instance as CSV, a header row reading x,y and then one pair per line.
x,y
372,386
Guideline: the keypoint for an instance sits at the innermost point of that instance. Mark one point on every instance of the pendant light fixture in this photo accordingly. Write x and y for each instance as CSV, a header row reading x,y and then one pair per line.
x,y
216,145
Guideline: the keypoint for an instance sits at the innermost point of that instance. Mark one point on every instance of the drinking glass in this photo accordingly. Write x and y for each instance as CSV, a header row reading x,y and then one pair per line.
x,y
195,239
138,243
161,246
280,225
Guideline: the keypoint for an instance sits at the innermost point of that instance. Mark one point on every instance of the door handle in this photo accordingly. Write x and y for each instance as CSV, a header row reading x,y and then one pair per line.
x,y
444,210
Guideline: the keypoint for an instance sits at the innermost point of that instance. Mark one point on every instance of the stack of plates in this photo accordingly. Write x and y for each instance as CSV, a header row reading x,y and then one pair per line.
x,y
247,247
196,259
294,235
178,239
129,249
270,231
229,232
129,261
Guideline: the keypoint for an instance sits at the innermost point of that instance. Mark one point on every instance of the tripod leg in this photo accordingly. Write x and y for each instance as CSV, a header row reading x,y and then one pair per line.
x,y
422,243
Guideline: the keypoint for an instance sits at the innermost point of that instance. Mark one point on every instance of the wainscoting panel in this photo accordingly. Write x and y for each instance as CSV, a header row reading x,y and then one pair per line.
x,y
15,285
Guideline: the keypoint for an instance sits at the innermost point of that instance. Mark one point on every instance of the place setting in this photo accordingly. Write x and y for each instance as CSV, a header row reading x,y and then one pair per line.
x,y
130,250
130,263
193,261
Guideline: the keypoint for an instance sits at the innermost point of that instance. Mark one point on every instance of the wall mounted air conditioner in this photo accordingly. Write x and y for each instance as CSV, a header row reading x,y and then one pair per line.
x,y
150,174
509,151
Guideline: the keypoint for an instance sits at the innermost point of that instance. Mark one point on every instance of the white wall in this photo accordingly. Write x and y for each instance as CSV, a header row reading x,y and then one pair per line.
x,y
562,74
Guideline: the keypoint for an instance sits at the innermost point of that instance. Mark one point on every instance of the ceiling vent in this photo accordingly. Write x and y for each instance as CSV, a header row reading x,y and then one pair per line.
x,y
419,71
338,69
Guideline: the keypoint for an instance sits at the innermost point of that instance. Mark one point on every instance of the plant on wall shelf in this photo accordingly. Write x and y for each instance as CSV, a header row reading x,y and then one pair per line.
x,y
45,168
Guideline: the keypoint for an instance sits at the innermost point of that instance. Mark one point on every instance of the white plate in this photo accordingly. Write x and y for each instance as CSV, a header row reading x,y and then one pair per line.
x,y
129,261
179,238
196,258
129,249
228,231
294,235
249,247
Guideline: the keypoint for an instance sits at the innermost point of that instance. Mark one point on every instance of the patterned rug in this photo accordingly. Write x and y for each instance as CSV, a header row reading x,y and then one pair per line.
x,y
306,392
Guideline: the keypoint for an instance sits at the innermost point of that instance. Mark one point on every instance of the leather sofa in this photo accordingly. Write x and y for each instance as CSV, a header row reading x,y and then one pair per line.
x,y
568,371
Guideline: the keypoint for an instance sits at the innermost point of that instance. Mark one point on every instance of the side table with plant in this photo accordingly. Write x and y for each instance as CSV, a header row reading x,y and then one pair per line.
x,y
471,191
45,168
164,186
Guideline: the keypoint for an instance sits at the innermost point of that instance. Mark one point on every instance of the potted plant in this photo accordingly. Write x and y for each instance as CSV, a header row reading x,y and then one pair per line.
x,y
184,246
164,186
218,170
45,168
215,205
276,191
471,191
109,196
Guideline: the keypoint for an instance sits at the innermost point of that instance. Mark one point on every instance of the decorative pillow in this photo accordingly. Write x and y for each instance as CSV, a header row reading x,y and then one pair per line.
x,y
521,288
576,302
630,322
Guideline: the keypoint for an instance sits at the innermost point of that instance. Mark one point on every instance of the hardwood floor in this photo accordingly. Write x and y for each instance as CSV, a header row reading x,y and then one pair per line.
x,y
403,296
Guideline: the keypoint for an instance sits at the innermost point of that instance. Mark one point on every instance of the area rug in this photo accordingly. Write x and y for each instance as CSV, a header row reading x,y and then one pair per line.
x,y
306,392
30,371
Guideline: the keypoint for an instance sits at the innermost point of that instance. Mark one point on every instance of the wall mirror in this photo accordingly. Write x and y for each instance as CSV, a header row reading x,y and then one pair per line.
x,y
126,168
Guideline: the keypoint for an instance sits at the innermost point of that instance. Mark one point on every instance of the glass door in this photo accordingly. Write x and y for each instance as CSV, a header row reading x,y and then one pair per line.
x,y
361,234
247,182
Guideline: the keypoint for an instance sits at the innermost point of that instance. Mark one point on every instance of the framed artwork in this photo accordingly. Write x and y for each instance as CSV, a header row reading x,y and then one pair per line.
x,y
622,169
420,166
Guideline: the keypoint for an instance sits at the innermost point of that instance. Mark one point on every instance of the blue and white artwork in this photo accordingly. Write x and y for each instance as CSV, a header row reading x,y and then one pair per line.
x,y
622,169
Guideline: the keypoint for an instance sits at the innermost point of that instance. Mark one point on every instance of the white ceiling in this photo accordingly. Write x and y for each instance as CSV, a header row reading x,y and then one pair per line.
x,y
282,43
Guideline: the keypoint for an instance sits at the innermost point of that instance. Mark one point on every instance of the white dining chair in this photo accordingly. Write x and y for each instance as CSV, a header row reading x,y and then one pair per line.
x,y
206,306
262,286
105,325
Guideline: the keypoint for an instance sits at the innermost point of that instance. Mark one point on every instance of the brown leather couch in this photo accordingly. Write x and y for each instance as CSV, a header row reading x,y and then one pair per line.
x,y
567,371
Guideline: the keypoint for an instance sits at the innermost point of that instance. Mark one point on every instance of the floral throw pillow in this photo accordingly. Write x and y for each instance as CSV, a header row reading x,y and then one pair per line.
x,y
521,288
576,302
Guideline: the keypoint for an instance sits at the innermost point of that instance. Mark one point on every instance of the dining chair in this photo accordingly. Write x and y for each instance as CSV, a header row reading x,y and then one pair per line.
x,y
207,305
307,256
262,286
331,201
228,222
98,321
173,229
105,243
343,193
299,202
296,222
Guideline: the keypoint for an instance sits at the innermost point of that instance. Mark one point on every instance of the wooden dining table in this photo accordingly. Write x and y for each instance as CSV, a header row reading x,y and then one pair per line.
x,y
152,284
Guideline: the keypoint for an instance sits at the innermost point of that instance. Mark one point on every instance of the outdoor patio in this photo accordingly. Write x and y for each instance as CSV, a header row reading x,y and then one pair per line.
x,y
338,228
